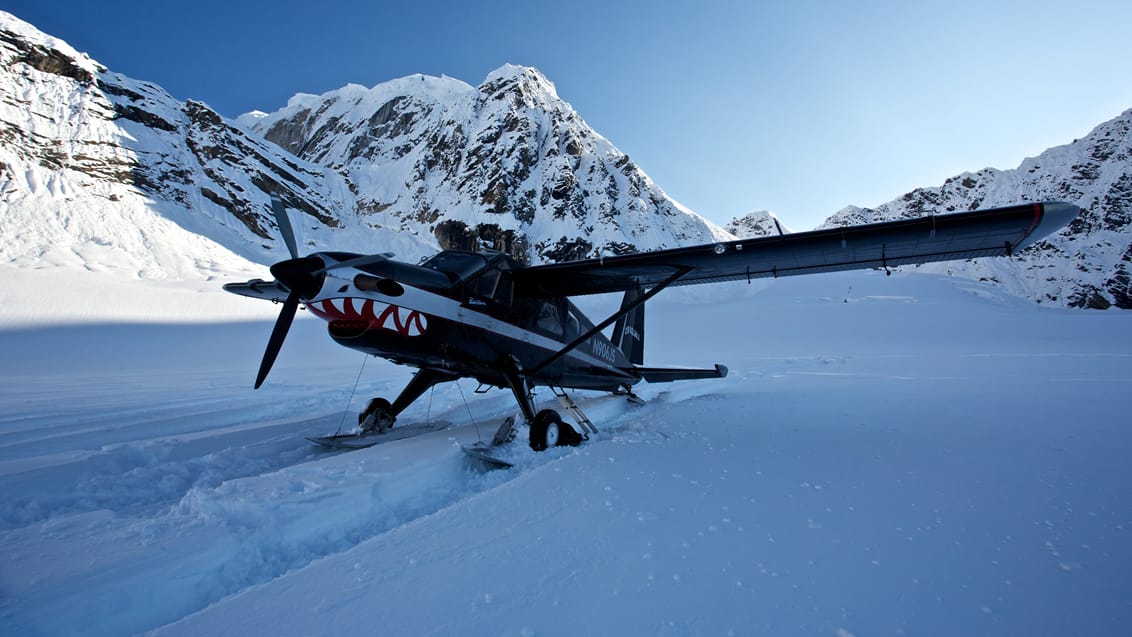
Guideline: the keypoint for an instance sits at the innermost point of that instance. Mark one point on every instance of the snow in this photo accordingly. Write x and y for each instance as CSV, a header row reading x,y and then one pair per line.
x,y
889,455
65,296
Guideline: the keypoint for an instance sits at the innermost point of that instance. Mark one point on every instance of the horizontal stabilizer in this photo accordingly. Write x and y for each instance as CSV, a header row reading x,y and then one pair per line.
x,y
669,374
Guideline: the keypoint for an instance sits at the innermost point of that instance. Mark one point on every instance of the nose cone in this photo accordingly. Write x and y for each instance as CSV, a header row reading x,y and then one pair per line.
x,y
298,275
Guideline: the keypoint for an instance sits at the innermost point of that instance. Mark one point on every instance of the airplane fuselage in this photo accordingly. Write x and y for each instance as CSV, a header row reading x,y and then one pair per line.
x,y
457,313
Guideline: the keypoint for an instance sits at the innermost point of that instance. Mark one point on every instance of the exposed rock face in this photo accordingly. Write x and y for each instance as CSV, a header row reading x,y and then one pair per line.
x,y
1086,264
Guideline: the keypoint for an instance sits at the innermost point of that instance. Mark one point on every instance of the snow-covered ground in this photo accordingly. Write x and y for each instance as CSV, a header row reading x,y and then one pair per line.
x,y
889,455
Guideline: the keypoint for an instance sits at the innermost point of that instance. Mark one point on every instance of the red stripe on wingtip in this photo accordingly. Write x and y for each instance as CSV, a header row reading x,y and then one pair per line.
x,y
1039,211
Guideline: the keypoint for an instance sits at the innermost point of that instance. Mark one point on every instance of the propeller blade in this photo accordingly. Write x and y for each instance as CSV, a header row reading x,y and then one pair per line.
x,y
278,333
285,226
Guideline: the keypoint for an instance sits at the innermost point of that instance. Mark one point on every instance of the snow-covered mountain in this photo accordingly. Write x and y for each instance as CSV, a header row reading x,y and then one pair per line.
x,y
759,223
1084,265
507,164
102,172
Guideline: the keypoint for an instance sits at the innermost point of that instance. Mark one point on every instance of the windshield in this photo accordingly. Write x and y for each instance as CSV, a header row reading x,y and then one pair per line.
x,y
459,265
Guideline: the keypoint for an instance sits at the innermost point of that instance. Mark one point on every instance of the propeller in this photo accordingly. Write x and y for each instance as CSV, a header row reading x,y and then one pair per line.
x,y
278,333
302,276
285,226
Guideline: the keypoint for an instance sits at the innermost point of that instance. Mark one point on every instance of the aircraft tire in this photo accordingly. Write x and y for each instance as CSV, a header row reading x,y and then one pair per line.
x,y
548,430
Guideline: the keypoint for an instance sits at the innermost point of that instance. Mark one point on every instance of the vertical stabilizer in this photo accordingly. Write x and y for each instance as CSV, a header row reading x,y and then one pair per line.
x,y
629,332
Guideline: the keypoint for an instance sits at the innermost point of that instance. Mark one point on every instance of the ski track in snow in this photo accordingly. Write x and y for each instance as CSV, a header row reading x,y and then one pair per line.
x,y
915,458
251,495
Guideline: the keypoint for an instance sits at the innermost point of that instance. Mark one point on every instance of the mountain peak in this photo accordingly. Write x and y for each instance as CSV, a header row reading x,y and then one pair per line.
x,y
758,223
508,165
523,80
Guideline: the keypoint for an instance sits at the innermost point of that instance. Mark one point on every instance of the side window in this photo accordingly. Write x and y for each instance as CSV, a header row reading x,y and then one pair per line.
x,y
573,326
549,319
486,284
505,290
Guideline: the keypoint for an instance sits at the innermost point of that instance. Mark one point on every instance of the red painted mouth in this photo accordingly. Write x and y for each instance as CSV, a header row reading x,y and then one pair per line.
x,y
371,315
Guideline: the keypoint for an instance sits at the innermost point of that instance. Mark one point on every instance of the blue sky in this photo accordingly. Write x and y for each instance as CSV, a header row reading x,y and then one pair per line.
x,y
799,107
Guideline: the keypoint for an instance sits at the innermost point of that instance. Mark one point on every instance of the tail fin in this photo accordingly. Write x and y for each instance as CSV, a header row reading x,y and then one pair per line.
x,y
629,332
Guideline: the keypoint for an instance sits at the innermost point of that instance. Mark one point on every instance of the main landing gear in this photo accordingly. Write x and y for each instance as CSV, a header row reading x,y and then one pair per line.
x,y
547,428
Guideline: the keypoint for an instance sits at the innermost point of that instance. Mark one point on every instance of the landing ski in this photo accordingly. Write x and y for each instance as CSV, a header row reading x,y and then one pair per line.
x,y
487,454
363,441
491,454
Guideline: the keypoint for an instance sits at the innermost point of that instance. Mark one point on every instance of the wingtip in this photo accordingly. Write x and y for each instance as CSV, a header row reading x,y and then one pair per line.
x,y
1055,216
1058,214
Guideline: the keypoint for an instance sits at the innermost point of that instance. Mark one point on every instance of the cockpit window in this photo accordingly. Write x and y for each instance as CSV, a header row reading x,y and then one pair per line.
x,y
458,266
485,284
486,274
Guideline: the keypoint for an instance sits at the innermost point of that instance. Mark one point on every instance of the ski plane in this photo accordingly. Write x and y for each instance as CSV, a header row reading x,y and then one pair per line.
x,y
484,315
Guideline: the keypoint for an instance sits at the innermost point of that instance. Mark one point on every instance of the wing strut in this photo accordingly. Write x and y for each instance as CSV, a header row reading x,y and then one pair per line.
x,y
625,309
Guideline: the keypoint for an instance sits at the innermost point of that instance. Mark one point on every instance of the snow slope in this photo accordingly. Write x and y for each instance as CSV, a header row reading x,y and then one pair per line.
x,y
105,173
889,455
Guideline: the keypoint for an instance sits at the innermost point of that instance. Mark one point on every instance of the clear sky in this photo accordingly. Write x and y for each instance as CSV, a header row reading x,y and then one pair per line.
x,y
799,107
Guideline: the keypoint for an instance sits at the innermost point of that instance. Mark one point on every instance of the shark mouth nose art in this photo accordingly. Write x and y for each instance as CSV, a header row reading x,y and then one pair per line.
x,y
370,315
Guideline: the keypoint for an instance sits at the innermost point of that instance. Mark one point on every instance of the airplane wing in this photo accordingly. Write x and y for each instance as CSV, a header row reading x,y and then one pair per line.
x,y
982,233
